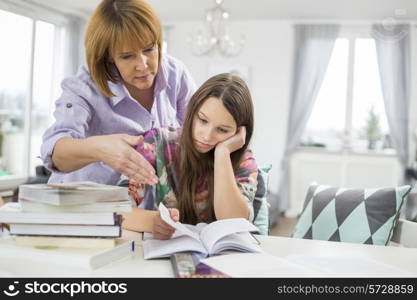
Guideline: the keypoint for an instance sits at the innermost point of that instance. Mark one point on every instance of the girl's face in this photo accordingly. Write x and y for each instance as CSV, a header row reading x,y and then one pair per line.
x,y
212,124
137,68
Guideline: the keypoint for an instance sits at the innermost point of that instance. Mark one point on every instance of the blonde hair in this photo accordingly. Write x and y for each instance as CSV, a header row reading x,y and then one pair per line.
x,y
113,25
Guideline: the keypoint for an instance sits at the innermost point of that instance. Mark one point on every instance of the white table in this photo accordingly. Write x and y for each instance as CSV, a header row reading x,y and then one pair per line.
x,y
136,266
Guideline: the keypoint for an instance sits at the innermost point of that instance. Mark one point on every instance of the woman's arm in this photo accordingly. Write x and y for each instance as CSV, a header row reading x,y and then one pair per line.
x,y
72,154
72,142
115,150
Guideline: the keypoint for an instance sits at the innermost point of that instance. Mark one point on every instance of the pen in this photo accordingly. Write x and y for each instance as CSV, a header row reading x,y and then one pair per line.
x,y
257,241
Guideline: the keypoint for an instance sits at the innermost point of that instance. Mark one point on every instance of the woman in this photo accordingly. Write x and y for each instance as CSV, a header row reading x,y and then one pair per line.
x,y
209,156
128,88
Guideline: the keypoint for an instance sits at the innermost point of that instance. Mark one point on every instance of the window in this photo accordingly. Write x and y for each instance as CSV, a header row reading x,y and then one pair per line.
x,y
367,92
349,111
29,84
46,88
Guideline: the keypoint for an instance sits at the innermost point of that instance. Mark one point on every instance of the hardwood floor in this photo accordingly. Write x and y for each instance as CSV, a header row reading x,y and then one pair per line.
x,y
284,226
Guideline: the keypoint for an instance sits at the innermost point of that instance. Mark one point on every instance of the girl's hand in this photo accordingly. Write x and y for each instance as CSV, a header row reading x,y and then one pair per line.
x,y
235,142
117,151
162,230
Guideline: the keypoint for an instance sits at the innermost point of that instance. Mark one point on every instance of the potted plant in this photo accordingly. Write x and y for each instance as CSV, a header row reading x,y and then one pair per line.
x,y
372,129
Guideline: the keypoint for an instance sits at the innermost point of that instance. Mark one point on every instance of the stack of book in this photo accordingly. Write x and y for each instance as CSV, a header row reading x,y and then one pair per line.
x,y
79,215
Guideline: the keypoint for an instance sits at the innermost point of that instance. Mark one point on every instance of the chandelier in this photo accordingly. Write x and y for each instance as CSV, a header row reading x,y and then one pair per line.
x,y
216,35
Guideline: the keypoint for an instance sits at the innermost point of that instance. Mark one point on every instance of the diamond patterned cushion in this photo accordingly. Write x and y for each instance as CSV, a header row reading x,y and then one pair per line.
x,y
260,204
365,216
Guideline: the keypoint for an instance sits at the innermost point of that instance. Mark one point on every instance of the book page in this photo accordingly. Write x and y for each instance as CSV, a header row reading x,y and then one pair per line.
x,y
300,265
257,265
348,266
195,229
241,242
154,248
177,225
215,231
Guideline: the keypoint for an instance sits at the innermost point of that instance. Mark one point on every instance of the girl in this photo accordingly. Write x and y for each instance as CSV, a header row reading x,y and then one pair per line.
x,y
208,157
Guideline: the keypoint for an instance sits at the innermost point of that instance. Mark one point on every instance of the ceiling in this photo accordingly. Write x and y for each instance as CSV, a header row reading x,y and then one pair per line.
x,y
175,10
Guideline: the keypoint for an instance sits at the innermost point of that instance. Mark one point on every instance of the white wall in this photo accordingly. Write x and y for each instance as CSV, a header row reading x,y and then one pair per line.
x,y
268,53
413,93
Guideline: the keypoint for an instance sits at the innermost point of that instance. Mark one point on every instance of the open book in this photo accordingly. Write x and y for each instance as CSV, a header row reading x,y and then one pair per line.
x,y
207,239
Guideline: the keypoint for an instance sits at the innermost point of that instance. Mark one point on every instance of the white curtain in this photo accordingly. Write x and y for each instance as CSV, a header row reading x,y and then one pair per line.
x,y
74,45
312,48
393,53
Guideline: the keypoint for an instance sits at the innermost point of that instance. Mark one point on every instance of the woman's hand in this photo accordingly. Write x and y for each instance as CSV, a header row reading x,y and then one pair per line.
x,y
117,151
162,230
235,142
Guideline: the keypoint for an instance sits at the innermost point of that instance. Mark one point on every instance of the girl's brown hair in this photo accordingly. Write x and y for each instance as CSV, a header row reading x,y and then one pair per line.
x,y
113,25
235,96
